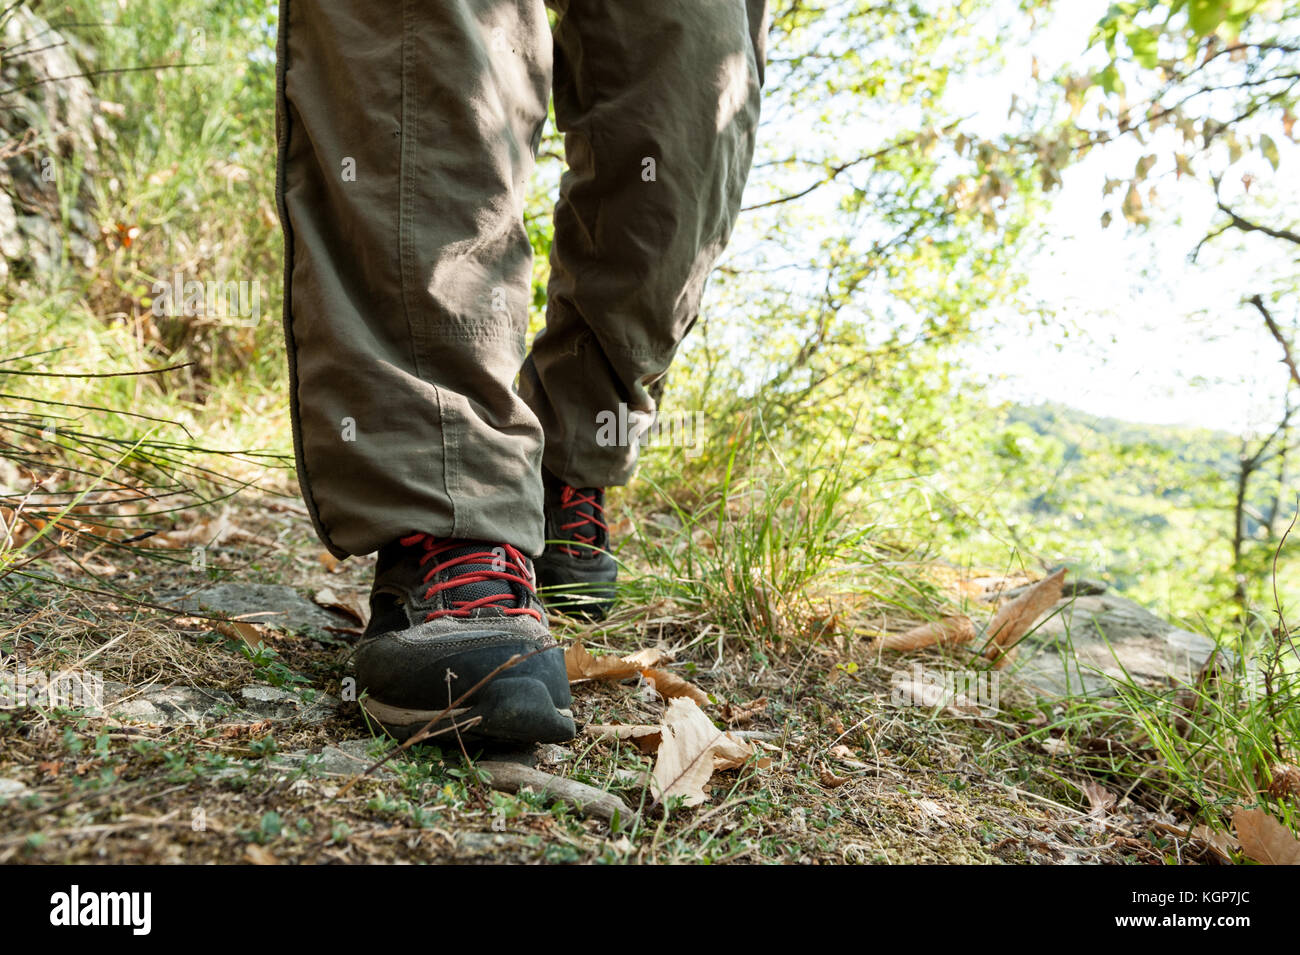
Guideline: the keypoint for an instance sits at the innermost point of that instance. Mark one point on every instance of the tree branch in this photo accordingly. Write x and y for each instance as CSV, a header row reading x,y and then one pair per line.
x,y
1276,332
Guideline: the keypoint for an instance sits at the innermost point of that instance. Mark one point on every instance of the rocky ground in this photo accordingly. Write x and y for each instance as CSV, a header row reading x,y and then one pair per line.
x,y
224,735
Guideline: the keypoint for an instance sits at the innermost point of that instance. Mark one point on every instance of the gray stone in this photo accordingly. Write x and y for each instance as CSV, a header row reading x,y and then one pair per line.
x,y
189,704
140,711
269,702
347,758
1091,641
272,604
12,789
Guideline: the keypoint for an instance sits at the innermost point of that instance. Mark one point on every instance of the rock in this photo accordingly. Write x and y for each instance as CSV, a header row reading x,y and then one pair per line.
x,y
43,211
140,711
12,789
269,702
188,704
1087,639
271,604
347,758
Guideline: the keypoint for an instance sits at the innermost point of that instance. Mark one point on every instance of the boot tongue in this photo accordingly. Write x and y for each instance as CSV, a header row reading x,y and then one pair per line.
x,y
574,502
476,589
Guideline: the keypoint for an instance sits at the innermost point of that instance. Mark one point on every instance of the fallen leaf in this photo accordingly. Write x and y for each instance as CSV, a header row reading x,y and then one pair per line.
x,y
931,808
1222,844
1100,798
950,631
210,533
670,686
646,738
331,563
741,713
260,855
691,749
1264,839
1014,618
1285,781
250,633
1057,747
829,779
236,730
648,657
581,665
354,604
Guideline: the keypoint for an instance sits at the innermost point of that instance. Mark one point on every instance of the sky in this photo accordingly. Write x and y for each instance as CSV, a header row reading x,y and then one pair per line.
x,y
1140,333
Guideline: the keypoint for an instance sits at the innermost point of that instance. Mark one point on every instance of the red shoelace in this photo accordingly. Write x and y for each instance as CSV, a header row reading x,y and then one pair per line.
x,y
515,572
570,497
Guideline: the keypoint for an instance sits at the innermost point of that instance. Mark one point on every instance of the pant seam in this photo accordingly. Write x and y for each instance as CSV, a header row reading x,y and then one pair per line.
x,y
409,146
286,306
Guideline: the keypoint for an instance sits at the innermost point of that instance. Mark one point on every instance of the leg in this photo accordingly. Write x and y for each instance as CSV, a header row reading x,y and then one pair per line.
x,y
659,105
407,134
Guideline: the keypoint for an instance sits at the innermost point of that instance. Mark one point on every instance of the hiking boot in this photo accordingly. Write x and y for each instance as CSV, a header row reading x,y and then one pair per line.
x,y
446,613
576,569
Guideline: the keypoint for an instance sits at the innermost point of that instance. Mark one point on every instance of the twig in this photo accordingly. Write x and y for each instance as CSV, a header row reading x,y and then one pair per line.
x,y
426,731
590,801
1276,332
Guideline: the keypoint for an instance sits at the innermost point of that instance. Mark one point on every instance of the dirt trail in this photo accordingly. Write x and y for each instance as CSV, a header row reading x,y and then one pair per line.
x,y
234,742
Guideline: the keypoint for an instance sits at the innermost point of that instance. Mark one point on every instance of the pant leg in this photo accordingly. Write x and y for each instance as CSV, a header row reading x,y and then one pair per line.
x,y
407,133
658,102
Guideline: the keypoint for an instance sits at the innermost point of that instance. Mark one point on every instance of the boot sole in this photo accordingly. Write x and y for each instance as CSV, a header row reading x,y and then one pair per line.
x,y
507,710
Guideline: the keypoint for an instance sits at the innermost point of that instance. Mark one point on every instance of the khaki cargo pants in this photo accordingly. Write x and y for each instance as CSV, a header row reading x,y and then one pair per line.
x,y
407,134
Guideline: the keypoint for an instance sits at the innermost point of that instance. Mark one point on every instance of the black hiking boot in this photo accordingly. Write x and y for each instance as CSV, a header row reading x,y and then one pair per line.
x,y
444,614
576,570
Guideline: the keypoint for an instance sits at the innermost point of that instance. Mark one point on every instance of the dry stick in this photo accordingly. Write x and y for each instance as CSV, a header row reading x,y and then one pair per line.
x,y
104,374
426,731
590,801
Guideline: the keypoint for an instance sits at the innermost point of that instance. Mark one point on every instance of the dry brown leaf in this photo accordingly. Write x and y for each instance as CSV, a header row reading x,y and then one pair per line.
x,y
1100,798
250,633
354,604
210,533
260,855
648,657
581,665
1056,747
331,563
1005,658
829,779
236,730
741,713
691,749
949,631
1222,844
671,686
1284,781
1014,618
1264,839
646,738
